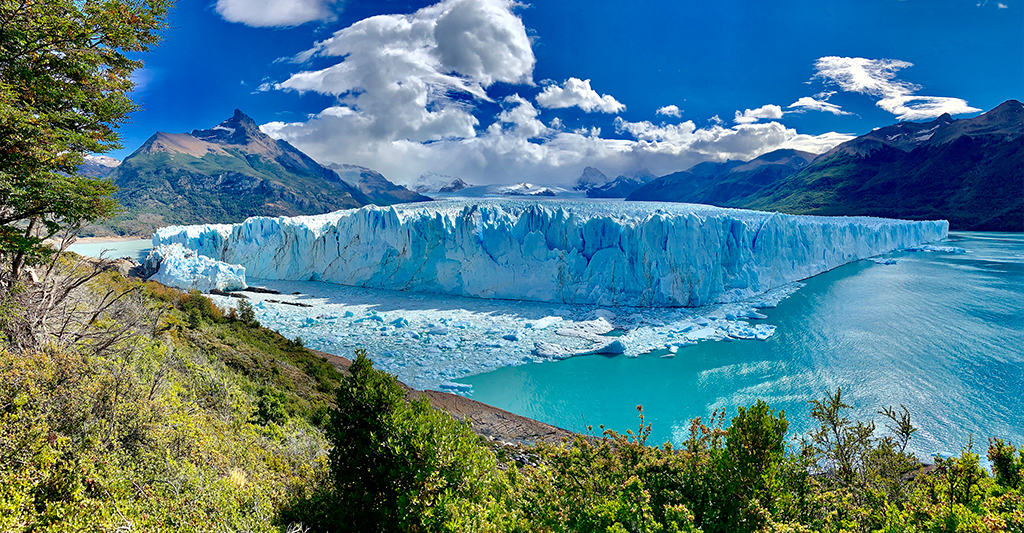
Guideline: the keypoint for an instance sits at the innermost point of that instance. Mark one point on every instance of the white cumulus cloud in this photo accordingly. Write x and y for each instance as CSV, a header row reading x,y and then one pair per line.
x,y
742,141
578,93
808,103
522,116
275,13
749,116
670,111
877,78
408,91
397,73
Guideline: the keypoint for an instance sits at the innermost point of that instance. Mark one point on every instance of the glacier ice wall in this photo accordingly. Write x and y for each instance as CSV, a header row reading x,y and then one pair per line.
x,y
607,253
186,269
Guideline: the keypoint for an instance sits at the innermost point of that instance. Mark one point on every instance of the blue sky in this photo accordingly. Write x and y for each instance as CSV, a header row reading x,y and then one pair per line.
x,y
494,91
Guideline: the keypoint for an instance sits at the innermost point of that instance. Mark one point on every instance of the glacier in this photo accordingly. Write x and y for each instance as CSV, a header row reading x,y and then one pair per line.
x,y
175,266
555,251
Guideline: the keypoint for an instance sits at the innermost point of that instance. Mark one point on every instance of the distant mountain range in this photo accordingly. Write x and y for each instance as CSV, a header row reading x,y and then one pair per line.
x,y
969,172
620,187
432,182
230,172
98,166
455,186
727,184
375,186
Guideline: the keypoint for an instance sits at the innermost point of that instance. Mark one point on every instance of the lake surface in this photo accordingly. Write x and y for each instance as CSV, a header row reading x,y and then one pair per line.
x,y
136,248
940,333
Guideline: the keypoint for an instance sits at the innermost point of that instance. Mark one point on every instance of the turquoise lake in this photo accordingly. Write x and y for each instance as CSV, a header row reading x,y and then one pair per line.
x,y
940,333
136,249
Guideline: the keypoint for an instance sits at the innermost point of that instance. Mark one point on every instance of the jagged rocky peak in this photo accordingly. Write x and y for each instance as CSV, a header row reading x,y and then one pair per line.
x,y
456,185
643,175
238,171
591,178
1005,121
1002,121
239,129
102,160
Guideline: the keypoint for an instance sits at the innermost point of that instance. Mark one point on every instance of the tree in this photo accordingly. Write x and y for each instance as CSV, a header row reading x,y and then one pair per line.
x,y
65,75
401,465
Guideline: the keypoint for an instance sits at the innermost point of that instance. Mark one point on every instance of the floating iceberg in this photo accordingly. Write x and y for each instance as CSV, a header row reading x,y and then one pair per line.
x,y
185,269
401,330
944,249
607,253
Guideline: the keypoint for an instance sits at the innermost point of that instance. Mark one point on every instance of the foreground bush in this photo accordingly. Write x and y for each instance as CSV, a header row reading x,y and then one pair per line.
x,y
399,465
150,429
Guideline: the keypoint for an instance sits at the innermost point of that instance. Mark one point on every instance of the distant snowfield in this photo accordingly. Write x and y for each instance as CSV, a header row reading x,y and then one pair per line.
x,y
443,290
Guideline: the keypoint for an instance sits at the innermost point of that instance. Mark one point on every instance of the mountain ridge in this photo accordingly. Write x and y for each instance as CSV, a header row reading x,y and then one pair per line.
x,y
967,171
233,171
726,183
375,186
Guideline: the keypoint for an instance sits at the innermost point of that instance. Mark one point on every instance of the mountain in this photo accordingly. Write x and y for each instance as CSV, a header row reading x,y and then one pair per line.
x,y
969,172
429,182
904,137
591,178
455,186
223,174
621,186
527,189
98,166
726,184
375,186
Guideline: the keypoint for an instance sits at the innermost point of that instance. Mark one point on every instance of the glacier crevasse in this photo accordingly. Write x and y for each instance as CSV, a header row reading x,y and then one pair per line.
x,y
607,253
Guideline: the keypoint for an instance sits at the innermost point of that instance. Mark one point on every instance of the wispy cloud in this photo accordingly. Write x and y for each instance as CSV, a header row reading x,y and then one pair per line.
x,y
141,79
877,78
578,93
808,103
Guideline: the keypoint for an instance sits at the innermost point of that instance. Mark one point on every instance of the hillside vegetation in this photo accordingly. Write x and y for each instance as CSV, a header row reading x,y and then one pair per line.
x,y
221,175
138,407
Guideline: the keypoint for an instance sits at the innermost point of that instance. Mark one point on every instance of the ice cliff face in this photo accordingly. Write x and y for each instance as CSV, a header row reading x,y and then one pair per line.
x,y
606,253
185,269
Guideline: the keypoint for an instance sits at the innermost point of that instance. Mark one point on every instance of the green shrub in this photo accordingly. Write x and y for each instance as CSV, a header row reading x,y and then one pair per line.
x,y
246,314
270,408
403,466
1007,462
